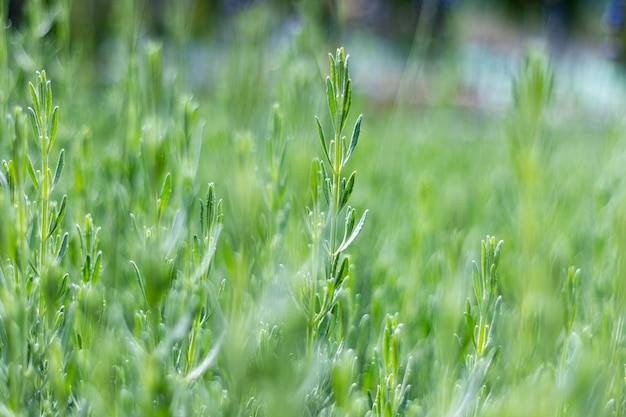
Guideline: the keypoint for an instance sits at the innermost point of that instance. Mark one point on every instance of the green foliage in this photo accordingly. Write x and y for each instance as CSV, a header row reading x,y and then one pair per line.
x,y
176,271
330,193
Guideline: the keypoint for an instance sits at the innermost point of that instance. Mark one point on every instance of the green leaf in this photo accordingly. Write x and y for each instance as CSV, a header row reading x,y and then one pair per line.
x,y
350,222
54,122
347,101
332,105
3,182
63,285
343,271
333,68
355,136
165,194
33,95
59,168
58,217
477,282
347,192
210,208
86,268
140,281
354,234
96,268
340,62
34,121
220,214
327,189
62,248
48,103
320,132
346,69
31,173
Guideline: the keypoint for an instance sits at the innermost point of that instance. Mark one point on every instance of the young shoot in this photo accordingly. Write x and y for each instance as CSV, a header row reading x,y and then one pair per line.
x,y
331,191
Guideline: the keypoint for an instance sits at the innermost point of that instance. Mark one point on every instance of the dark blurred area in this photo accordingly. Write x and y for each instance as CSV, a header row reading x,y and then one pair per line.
x,y
398,20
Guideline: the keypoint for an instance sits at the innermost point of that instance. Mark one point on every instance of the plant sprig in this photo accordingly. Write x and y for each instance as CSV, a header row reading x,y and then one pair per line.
x,y
331,192
44,122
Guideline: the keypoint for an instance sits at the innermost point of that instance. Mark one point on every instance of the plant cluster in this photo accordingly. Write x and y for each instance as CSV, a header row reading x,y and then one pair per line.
x,y
166,248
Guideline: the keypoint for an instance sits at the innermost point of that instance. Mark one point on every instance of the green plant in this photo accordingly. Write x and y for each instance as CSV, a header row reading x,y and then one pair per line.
x,y
330,195
481,317
392,390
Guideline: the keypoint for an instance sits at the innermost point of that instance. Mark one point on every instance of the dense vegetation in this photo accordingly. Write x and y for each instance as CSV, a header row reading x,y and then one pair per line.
x,y
181,236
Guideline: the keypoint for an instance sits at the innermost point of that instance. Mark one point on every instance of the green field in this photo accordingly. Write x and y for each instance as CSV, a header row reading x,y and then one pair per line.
x,y
179,236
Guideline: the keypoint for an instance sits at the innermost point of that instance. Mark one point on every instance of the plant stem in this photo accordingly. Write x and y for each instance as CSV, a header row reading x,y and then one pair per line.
x,y
335,207
44,196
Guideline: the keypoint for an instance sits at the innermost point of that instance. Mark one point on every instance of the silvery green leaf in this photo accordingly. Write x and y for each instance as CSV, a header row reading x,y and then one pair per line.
x,y
54,122
355,136
354,234
48,102
347,191
343,271
59,168
97,268
33,95
31,173
63,285
330,96
347,100
320,132
140,281
478,290
350,221
62,248
333,68
34,121
327,189
59,217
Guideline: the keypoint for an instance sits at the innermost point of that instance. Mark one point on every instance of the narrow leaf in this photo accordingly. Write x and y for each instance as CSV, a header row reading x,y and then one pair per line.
x,y
140,280
31,173
477,282
210,207
58,217
48,98
347,101
54,122
343,271
333,67
332,105
59,168
96,268
320,132
63,286
220,213
355,136
347,192
62,248
165,194
354,234
34,121
346,68
86,268
33,95
350,221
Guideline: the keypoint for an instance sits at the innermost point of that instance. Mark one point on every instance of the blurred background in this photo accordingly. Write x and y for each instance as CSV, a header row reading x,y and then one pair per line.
x,y
395,42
